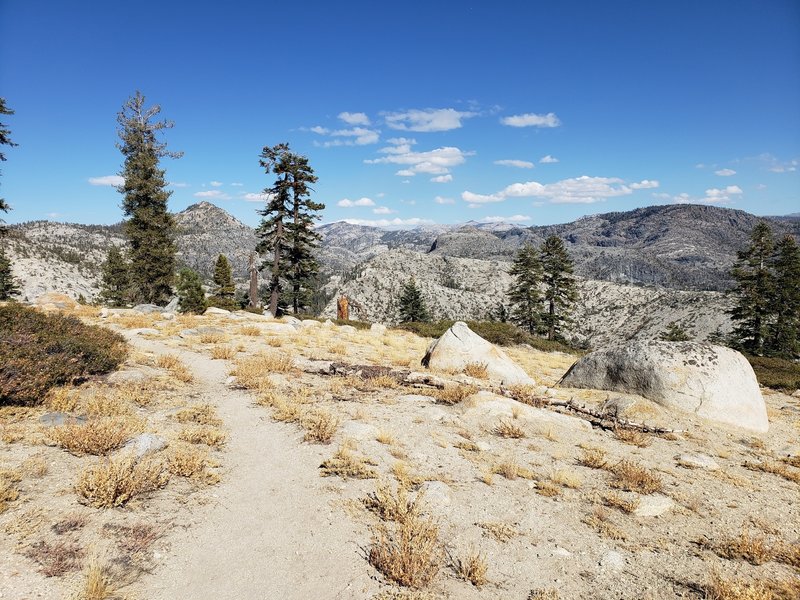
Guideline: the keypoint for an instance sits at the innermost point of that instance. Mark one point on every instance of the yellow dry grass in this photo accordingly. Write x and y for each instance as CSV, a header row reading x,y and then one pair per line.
x,y
97,583
63,399
97,436
408,553
781,469
202,414
113,482
477,370
249,330
453,394
320,426
511,469
223,352
347,465
508,429
615,500
175,367
472,567
251,372
631,477
633,437
192,462
502,532
203,434
9,490
595,458
393,504
566,478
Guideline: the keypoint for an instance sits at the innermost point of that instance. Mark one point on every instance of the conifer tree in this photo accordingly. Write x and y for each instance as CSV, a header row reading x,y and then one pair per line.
x,y
150,227
8,284
287,229
526,299
784,331
191,298
115,283
412,305
224,289
5,140
755,289
560,289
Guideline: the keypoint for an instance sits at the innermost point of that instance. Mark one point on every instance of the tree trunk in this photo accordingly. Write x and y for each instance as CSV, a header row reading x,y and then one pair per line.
x,y
551,334
253,282
276,267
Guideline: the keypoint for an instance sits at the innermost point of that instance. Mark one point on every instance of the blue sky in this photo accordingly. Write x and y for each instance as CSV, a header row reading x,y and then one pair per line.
x,y
414,112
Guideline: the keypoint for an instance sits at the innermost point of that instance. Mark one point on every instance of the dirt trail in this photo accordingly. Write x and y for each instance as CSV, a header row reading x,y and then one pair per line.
x,y
273,531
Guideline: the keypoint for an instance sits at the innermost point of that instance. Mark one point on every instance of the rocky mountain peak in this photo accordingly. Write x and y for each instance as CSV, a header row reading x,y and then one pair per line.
x,y
206,215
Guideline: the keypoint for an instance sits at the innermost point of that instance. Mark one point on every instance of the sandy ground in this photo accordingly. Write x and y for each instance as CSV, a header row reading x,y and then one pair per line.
x,y
272,527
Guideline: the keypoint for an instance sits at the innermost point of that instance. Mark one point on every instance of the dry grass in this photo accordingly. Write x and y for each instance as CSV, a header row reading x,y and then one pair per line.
x,y
510,469
630,477
212,337
9,491
600,520
202,414
787,553
754,549
69,523
527,395
472,567
97,583
346,464
34,466
467,446
509,429
175,366
409,553
502,532
135,539
544,594
547,489
477,370
567,478
720,588
63,399
192,462
405,476
453,394
386,382
56,559
385,437
250,330
203,434
104,405
251,372
594,458
633,437
223,352
320,426
113,482
97,436
393,504
615,500
776,468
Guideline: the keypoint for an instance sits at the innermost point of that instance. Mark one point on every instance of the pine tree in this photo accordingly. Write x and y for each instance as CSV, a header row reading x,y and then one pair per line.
x,y
5,140
675,333
412,305
561,291
8,284
115,283
784,330
191,298
755,289
150,228
225,291
287,229
524,294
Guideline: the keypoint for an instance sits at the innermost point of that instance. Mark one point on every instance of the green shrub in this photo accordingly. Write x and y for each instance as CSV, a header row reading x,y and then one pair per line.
x,y
778,373
39,351
501,334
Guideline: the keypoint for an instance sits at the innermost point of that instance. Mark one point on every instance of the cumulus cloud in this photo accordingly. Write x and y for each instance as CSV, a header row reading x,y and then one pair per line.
x,y
725,172
216,183
237,184
178,184
260,197
433,162
113,180
531,120
383,210
320,130
511,219
354,118
212,194
548,159
443,200
396,222
347,203
429,119
442,178
520,164
578,190
645,184
722,195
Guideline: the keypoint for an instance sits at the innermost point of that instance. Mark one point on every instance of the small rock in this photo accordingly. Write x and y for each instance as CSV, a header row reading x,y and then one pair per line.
x,y
416,399
697,461
562,552
268,313
210,330
231,381
358,431
328,323
145,331
127,376
168,316
172,306
654,506
310,324
294,321
213,310
146,309
144,444
54,419
320,367
104,313
437,493
612,561
188,333
347,328
278,327
378,328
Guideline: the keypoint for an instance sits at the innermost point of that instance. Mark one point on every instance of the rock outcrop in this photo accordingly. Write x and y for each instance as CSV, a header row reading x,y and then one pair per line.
x,y
460,346
713,382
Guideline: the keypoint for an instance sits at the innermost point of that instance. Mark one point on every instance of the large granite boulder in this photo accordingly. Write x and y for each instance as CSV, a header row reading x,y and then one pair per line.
x,y
713,382
460,346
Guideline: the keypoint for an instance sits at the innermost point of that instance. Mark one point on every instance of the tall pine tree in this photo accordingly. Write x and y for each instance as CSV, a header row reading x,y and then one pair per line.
x,y
560,289
784,331
224,289
8,285
5,140
115,284
150,228
526,299
287,236
412,305
755,290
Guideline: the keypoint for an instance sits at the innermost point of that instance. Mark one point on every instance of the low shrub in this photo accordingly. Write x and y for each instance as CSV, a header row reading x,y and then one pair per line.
x,y
778,373
39,351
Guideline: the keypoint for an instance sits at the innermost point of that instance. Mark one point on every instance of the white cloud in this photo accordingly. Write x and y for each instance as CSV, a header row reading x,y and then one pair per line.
x,y
548,159
354,118
725,172
645,184
320,130
430,119
53,215
260,197
520,164
114,180
383,210
355,136
237,184
432,162
442,178
212,194
397,222
347,203
512,219
443,200
177,184
531,120
215,183
579,190
722,195
700,166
